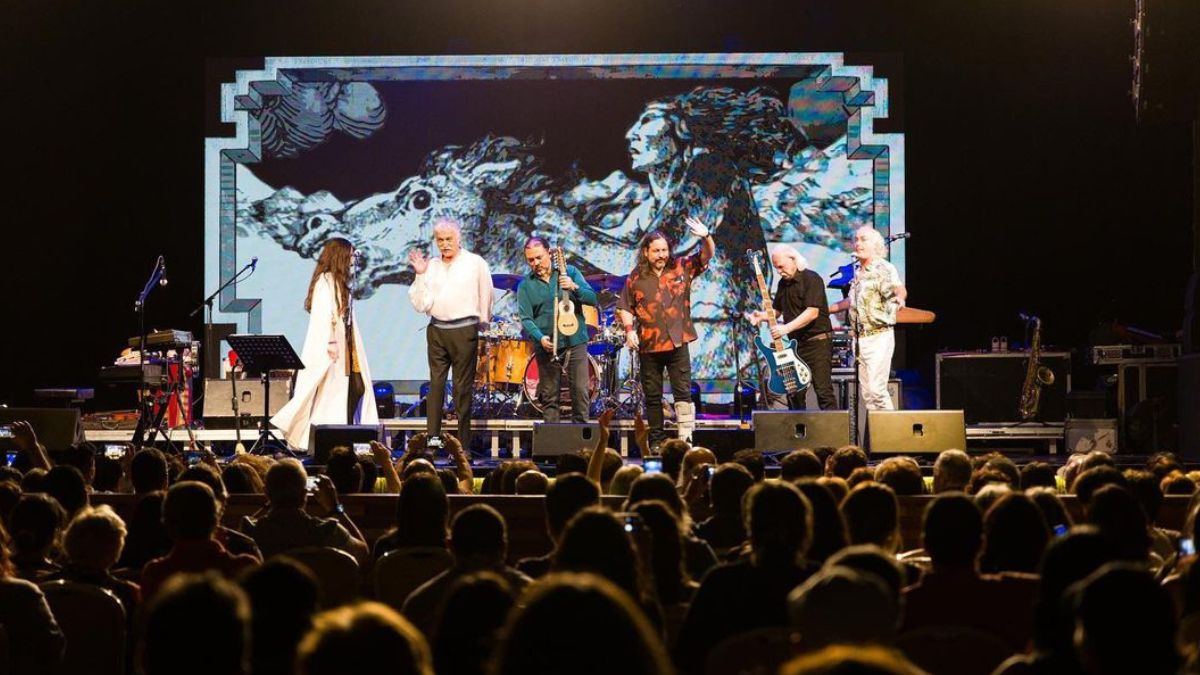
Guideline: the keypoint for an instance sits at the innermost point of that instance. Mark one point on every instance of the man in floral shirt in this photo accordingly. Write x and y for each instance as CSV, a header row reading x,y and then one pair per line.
x,y
658,294
876,294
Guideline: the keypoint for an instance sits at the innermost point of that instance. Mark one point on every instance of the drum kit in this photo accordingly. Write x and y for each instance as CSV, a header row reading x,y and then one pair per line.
x,y
506,376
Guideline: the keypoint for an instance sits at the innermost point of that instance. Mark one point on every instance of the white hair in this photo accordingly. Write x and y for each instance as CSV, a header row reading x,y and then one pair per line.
x,y
874,239
447,224
790,252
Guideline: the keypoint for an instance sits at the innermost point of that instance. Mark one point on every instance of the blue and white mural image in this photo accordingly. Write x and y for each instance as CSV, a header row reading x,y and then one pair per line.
x,y
592,151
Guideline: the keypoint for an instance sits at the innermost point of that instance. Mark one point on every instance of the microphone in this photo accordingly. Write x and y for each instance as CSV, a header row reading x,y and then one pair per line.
x,y
902,235
162,274
1028,318
254,263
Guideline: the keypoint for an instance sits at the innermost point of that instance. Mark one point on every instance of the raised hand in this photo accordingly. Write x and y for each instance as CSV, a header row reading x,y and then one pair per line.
x,y
418,261
697,227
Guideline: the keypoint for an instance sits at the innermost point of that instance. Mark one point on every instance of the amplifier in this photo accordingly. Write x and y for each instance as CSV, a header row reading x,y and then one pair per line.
x,y
218,402
986,386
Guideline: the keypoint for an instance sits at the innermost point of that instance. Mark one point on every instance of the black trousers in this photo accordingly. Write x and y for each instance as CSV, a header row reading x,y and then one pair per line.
x,y
818,354
678,365
575,361
457,349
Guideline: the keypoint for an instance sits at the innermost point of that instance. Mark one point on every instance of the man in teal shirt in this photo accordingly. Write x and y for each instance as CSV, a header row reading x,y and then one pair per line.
x,y
536,296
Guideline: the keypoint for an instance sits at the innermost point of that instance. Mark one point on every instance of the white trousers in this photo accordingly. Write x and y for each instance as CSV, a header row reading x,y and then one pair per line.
x,y
874,366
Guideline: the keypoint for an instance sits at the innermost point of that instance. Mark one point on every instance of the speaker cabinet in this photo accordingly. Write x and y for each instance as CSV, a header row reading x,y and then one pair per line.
x,y
912,432
551,439
792,430
56,428
987,386
218,401
325,437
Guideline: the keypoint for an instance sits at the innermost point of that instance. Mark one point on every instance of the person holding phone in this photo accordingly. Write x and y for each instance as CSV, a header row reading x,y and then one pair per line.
x,y
335,385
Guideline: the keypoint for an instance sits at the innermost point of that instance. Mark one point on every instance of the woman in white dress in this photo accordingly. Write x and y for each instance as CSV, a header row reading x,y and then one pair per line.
x,y
335,385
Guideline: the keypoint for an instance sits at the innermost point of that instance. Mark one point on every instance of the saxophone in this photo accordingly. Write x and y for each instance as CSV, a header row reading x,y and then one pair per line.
x,y
1037,376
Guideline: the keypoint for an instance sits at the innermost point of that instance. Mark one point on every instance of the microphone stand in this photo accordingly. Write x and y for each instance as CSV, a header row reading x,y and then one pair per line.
x,y
208,304
146,409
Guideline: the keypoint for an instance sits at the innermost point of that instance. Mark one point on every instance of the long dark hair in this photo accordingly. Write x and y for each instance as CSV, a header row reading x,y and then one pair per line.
x,y
643,263
335,259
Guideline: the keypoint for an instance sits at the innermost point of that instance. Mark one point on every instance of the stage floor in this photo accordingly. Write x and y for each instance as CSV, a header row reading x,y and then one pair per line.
x,y
513,437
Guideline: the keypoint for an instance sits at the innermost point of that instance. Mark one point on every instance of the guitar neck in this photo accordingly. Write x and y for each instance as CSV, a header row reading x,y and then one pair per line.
x,y
768,307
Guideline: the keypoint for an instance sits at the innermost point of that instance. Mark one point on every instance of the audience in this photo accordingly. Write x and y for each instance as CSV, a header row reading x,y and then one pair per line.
x,y
422,512
1015,533
35,523
283,599
619,591
602,543
951,472
800,464
479,543
751,593
190,516
469,623
233,541
844,461
35,640
953,592
902,474
606,632
569,495
725,530
189,603
288,526
93,543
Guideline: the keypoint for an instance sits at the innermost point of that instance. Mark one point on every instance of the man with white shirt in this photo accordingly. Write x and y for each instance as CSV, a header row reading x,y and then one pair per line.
x,y
455,290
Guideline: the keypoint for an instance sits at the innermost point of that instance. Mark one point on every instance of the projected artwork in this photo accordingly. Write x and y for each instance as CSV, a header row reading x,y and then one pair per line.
x,y
591,151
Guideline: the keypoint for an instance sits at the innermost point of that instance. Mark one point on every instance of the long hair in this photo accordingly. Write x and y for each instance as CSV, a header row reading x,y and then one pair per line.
x,y
643,263
751,128
335,259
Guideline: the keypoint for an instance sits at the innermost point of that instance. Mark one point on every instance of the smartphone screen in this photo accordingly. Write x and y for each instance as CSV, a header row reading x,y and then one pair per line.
x,y
114,450
1060,530
1187,546
362,449
652,465
10,457
633,523
6,431
312,483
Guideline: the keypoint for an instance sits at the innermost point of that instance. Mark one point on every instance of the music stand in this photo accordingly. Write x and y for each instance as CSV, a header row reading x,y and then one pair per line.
x,y
261,354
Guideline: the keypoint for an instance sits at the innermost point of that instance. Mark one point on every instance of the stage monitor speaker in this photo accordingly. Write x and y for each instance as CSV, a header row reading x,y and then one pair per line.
x,y
56,428
218,403
723,442
910,432
987,386
551,439
795,429
325,437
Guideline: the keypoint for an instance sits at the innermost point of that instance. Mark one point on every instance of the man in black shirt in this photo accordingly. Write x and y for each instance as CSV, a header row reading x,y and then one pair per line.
x,y
800,302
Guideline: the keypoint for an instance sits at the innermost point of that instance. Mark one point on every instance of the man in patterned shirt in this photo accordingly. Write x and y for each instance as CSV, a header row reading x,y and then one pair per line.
x,y
876,294
658,294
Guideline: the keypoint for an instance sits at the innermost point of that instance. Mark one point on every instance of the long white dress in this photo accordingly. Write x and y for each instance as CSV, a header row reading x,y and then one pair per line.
x,y
322,386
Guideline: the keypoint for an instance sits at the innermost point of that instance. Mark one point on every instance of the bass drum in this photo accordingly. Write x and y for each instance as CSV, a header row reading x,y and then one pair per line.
x,y
564,394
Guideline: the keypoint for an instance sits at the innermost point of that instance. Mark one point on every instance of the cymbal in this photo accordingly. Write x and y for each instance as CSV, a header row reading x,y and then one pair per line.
x,y
607,282
506,282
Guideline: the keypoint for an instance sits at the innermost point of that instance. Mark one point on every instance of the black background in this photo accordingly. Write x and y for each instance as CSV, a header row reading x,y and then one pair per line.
x,y
1030,185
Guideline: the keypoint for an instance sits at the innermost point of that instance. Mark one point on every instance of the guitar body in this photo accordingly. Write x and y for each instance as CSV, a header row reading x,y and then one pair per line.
x,y
566,321
789,373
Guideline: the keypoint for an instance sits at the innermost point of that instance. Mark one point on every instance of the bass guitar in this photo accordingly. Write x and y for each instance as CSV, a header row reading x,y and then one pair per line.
x,y
789,373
